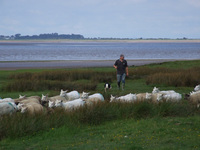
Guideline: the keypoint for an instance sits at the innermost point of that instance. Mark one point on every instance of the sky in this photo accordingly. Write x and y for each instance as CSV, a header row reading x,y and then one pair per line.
x,y
102,18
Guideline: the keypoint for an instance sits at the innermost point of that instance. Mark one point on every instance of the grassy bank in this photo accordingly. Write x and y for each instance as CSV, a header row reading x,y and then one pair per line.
x,y
104,126
152,133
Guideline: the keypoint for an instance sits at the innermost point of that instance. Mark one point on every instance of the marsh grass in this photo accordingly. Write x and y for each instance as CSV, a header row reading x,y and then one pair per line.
x,y
17,125
69,79
56,80
41,85
64,75
177,78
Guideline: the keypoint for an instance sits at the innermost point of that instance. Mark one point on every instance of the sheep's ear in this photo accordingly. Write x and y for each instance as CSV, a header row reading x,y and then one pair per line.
x,y
42,95
61,90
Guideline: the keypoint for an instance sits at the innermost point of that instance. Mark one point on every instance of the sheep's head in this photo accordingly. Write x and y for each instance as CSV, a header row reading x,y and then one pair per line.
x,y
85,95
197,88
148,96
21,97
19,106
112,98
51,104
155,90
58,103
23,109
44,98
160,97
63,93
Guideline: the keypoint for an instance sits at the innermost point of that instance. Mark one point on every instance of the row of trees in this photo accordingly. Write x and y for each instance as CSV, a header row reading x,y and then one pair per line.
x,y
42,36
71,36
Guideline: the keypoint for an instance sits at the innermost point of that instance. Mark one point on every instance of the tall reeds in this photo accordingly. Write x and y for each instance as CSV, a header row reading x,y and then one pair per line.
x,y
68,79
56,80
177,78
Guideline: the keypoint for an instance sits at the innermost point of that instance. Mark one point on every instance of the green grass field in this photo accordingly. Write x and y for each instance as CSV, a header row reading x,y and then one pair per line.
x,y
154,134
105,126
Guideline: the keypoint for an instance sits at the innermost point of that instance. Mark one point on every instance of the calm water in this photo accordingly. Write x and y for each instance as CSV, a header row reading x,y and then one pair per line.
x,y
97,51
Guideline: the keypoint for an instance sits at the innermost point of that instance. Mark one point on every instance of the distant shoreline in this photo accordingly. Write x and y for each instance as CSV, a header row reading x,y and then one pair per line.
x,y
62,64
101,41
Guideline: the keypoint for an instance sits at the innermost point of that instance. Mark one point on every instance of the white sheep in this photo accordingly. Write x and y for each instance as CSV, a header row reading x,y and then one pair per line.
x,y
54,98
143,96
127,98
7,108
94,98
69,96
51,104
194,98
70,105
6,100
32,108
154,97
173,97
156,90
32,100
84,95
197,88
19,106
24,99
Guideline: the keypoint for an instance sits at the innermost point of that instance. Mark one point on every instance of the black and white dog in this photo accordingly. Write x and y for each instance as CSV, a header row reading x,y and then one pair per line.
x,y
107,86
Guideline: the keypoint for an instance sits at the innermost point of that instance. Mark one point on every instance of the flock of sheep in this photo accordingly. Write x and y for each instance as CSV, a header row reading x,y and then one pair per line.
x,y
157,96
73,100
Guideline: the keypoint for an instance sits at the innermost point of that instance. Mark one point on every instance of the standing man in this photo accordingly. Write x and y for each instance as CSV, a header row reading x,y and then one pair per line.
x,y
122,70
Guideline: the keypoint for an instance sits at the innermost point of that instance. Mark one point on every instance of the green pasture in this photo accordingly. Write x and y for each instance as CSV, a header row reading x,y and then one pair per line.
x,y
137,126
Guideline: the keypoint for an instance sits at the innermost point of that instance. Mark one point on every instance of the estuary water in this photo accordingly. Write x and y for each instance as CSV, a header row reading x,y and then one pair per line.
x,y
97,51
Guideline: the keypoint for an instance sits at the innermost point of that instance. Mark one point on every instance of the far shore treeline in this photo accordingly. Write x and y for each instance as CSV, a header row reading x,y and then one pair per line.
x,y
42,36
54,36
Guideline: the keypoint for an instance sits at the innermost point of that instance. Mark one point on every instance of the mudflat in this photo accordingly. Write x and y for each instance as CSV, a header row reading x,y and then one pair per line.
x,y
72,64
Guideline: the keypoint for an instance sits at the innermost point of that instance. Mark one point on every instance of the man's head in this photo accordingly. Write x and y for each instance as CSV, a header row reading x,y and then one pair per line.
x,y
122,57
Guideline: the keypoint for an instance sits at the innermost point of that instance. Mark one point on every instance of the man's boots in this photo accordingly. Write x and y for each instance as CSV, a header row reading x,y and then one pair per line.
x,y
118,85
123,85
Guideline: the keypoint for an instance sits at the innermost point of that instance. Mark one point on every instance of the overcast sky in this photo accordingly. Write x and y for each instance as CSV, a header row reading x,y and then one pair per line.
x,y
102,18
